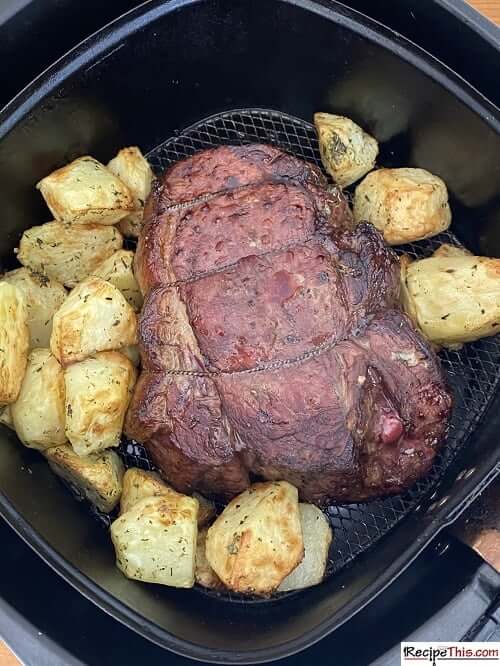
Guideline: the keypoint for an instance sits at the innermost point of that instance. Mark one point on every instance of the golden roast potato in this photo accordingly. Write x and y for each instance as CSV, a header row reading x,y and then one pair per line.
x,y
447,250
118,269
43,297
6,417
347,152
98,476
38,413
405,205
453,299
14,341
133,169
131,225
204,574
317,536
138,484
207,510
257,540
155,540
98,391
86,192
95,317
68,253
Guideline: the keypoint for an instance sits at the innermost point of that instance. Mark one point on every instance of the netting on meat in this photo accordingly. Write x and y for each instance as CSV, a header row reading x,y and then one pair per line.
x,y
472,370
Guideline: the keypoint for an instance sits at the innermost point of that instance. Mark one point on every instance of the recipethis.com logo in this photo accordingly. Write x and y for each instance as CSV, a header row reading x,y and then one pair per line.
x,y
450,654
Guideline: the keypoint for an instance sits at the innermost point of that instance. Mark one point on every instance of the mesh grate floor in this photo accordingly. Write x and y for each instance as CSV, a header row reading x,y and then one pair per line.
x,y
472,371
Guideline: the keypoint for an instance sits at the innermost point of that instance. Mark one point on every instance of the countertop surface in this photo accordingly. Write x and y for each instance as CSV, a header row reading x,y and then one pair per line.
x,y
6,657
491,9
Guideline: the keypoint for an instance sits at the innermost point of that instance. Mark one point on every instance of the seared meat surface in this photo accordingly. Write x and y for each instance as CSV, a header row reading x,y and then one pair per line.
x,y
271,338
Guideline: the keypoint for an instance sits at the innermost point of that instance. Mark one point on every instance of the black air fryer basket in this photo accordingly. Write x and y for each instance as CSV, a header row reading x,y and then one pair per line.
x,y
178,77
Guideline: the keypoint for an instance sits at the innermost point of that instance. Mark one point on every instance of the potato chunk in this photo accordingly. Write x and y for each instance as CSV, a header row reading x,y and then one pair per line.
x,y
453,299
6,417
95,317
139,484
257,540
204,574
404,204
118,269
446,250
207,510
38,413
14,341
43,297
347,152
131,225
98,476
317,535
155,541
85,192
133,169
98,391
67,253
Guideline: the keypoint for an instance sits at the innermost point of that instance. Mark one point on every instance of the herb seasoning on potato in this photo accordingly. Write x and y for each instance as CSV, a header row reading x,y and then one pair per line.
x,y
347,152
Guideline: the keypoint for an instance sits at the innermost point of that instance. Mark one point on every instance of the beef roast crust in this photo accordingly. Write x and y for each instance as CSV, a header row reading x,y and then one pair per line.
x,y
229,167
282,194
271,339
364,419
187,436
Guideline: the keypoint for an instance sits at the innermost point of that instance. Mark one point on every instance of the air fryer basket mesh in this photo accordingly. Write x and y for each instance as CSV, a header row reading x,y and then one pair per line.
x,y
472,371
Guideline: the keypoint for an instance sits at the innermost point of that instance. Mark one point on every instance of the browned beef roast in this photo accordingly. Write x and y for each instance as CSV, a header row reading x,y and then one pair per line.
x,y
271,339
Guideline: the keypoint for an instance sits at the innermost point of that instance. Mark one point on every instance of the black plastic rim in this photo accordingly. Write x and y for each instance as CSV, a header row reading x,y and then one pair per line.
x,y
467,14
97,47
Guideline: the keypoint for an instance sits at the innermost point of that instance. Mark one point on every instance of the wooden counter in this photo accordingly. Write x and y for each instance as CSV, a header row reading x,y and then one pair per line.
x,y
490,8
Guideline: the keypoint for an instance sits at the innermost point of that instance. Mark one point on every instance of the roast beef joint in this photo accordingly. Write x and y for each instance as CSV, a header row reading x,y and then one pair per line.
x,y
272,341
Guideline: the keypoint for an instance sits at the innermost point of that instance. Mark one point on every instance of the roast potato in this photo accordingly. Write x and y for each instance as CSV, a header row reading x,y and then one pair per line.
x,y
43,297
95,317
6,417
453,299
131,225
14,341
204,574
38,413
67,253
133,169
207,510
98,391
446,250
257,540
155,540
118,269
404,204
317,536
86,192
139,484
97,476
347,152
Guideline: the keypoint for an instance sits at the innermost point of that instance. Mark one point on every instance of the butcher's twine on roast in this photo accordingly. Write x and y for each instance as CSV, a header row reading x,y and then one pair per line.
x,y
271,337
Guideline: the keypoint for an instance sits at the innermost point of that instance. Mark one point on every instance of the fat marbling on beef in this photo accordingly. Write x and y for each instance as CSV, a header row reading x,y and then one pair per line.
x,y
271,338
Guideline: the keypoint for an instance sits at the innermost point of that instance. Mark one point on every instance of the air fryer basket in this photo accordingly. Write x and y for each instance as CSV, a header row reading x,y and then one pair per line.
x,y
140,80
472,371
